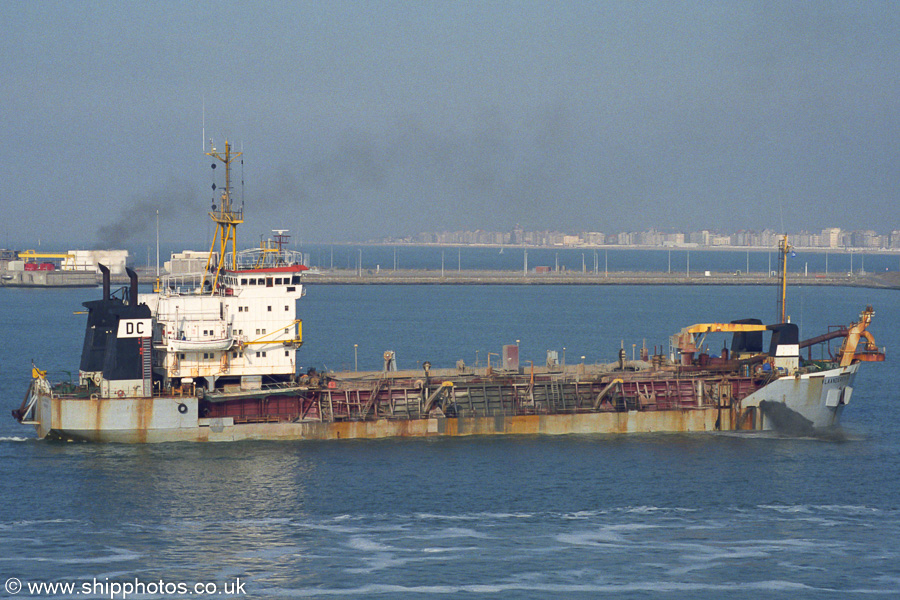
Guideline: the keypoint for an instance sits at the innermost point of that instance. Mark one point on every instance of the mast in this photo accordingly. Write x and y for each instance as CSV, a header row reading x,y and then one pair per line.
x,y
783,249
157,251
226,218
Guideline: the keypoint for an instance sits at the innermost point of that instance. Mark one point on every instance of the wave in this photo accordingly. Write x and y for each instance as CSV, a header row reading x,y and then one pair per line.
x,y
450,533
589,588
848,509
474,516
367,544
118,555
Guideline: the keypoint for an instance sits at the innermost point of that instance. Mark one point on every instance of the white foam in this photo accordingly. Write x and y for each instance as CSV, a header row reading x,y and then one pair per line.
x,y
326,527
832,509
581,514
850,509
379,562
709,558
439,517
474,516
654,509
119,555
607,535
367,544
29,522
14,439
782,508
451,532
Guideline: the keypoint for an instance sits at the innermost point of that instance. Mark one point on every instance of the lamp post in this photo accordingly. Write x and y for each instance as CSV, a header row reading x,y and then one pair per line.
x,y
355,361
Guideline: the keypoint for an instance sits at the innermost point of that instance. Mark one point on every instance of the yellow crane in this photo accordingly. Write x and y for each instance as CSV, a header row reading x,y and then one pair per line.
x,y
27,254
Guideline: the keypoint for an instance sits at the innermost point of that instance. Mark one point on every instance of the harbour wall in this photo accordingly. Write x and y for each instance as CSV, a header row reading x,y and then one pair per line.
x,y
501,277
472,277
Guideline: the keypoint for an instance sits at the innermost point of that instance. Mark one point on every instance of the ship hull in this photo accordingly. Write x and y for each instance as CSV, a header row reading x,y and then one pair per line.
x,y
79,426
794,404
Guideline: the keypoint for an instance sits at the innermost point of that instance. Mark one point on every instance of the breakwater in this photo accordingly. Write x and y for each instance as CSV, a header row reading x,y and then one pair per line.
x,y
476,277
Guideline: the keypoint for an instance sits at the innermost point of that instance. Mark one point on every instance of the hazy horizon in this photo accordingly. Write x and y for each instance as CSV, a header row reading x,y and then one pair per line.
x,y
367,120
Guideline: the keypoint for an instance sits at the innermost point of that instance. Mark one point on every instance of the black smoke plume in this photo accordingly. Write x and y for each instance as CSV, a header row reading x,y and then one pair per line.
x,y
139,217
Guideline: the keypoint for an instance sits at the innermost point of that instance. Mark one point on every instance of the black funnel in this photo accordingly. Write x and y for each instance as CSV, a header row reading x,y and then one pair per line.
x,y
105,270
133,292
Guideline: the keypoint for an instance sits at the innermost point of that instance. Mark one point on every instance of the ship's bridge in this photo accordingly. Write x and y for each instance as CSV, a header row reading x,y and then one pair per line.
x,y
269,281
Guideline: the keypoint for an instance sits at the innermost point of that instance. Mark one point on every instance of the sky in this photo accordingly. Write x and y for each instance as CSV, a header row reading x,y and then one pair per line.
x,y
360,120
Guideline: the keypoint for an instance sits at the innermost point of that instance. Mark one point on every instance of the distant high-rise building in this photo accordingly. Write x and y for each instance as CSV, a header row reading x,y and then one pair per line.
x,y
673,239
831,237
895,239
865,239
595,238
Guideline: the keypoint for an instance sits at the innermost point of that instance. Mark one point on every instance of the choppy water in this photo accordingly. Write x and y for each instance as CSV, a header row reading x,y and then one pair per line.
x,y
650,516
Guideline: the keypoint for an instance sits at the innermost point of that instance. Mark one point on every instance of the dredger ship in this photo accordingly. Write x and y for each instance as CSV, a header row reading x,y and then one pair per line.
x,y
212,357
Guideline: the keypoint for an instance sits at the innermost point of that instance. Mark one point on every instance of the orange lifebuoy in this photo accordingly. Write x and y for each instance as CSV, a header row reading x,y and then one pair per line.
x,y
120,394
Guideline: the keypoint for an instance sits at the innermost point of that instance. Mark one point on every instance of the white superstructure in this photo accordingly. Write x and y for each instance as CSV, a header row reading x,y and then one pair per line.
x,y
248,327
233,323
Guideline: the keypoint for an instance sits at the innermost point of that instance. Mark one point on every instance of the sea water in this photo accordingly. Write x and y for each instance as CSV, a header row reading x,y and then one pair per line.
x,y
737,515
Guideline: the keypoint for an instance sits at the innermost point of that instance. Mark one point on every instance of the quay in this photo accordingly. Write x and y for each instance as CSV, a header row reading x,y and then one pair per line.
x,y
474,277
498,277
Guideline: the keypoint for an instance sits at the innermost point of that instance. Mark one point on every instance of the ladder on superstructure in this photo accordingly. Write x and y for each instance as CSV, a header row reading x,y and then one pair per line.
x,y
147,365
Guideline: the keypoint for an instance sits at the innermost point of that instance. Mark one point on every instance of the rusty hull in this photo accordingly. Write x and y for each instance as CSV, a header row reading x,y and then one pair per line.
x,y
151,420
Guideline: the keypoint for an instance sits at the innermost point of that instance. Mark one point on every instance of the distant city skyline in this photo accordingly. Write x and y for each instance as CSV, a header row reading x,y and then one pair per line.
x,y
832,237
